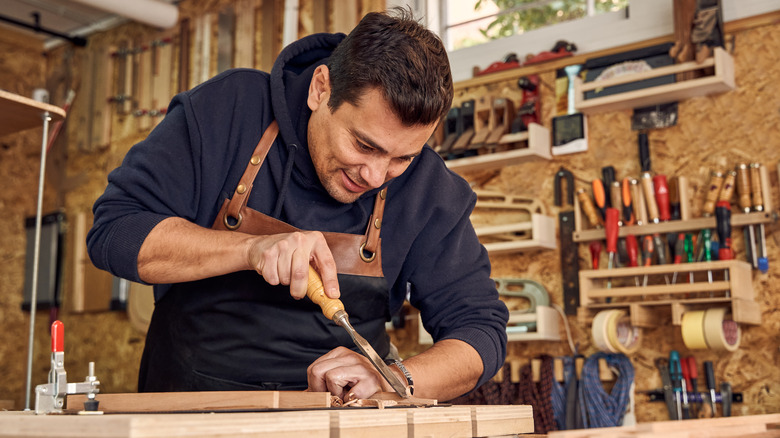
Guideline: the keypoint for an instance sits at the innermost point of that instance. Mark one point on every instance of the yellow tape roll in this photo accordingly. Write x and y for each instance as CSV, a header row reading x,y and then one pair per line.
x,y
599,331
721,333
622,336
693,330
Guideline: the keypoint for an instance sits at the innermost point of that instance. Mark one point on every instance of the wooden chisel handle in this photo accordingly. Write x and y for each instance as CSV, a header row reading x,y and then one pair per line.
x,y
755,187
652,207
744,199
588,208
316,292
716,182
728,187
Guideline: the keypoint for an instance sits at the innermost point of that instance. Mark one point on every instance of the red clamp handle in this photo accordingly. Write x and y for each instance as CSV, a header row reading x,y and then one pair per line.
x,y
611,228
57,337
662,197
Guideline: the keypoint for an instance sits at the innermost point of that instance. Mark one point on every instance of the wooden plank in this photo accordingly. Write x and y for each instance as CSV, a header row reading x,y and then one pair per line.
x,y
452,421
303,424
144,89
501,420
361,423
245,34
161,80
205,401
102,107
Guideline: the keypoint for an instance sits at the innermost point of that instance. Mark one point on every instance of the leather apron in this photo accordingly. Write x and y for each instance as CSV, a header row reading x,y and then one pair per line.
x,y
237,332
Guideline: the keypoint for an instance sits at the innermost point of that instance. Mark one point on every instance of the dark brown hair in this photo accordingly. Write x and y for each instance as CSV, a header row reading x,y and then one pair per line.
x,y
395,53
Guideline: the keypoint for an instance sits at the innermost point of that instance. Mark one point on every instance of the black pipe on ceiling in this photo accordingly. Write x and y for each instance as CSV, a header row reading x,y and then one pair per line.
x,y
77,41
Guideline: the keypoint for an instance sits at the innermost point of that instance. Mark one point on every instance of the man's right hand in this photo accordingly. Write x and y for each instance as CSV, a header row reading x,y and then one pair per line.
x,y
285,259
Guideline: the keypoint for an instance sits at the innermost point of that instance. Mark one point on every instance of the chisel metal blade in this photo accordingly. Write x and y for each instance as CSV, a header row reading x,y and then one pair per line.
x,y
399,387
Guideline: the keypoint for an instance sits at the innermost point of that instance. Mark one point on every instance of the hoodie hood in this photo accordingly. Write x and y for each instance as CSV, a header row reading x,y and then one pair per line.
x,y
290,79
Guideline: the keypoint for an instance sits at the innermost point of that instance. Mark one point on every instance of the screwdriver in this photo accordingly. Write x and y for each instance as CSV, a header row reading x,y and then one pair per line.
x,y
632,248
628,214
684,383
647,254
694,374
723,224
611,229
595,253
675,373
638,202
710,376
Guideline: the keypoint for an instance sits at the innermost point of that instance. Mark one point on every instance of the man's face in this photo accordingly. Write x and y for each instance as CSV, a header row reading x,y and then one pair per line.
x,y
358,148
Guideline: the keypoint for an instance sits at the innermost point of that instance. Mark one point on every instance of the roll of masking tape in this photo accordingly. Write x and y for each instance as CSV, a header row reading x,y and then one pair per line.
x,y
693,330
622,336
720,331
599,331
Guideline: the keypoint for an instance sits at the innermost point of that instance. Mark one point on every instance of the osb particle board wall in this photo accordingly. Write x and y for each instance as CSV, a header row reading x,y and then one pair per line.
x,y
712,132
76,175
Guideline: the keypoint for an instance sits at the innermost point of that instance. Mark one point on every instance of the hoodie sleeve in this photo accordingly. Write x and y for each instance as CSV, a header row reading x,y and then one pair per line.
x,y
449,271
158,178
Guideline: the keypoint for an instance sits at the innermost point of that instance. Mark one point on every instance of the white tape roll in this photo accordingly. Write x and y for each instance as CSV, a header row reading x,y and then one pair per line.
x,y
721,333
622,336
693,330
599,331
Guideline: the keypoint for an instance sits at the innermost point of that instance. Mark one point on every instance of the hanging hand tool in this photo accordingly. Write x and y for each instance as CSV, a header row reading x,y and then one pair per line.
x,y
723,224
333,309
595,253
586,204
694,375
570,267
679,252
706,237
615,192
727,191
758,205
713,191
632,248
675,374
628,213
647,254
599,196
710,377
608,179
744,200
685,382
725,398
611,228
688,247
638,202
663,368
674,212
661,190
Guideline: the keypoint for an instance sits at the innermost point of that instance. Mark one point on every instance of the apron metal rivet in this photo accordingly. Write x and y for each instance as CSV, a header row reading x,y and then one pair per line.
x,y
255,160
378,223
240,189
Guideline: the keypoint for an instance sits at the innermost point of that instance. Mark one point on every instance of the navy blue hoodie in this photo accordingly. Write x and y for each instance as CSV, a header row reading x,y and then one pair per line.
x,y
192,161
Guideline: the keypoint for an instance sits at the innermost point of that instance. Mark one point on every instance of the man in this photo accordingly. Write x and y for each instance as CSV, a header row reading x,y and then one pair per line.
x,y
214,193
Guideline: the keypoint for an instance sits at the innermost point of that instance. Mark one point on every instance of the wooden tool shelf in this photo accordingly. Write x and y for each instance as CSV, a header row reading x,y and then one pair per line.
x,y
545,318
541,230
537,139
737,220
720,81
670,288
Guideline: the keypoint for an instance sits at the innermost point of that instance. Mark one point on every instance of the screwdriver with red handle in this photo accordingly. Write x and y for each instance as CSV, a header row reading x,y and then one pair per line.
x,y
693,374
611,229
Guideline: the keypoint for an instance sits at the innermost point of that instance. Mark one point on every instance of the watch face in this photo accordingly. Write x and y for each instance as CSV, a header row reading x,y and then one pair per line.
x,y
567,129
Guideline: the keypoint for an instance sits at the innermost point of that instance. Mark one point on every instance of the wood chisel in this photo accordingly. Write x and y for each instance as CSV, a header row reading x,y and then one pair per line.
x,y
758,205
744,200
333,309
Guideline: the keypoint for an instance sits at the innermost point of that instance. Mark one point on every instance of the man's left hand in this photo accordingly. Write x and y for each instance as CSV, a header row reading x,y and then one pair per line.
x,y
345,374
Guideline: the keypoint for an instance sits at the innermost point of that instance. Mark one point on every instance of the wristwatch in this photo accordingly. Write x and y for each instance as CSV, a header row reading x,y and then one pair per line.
x,y
406,373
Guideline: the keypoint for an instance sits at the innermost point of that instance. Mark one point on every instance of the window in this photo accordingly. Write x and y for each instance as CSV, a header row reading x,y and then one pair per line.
x,y
467,23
